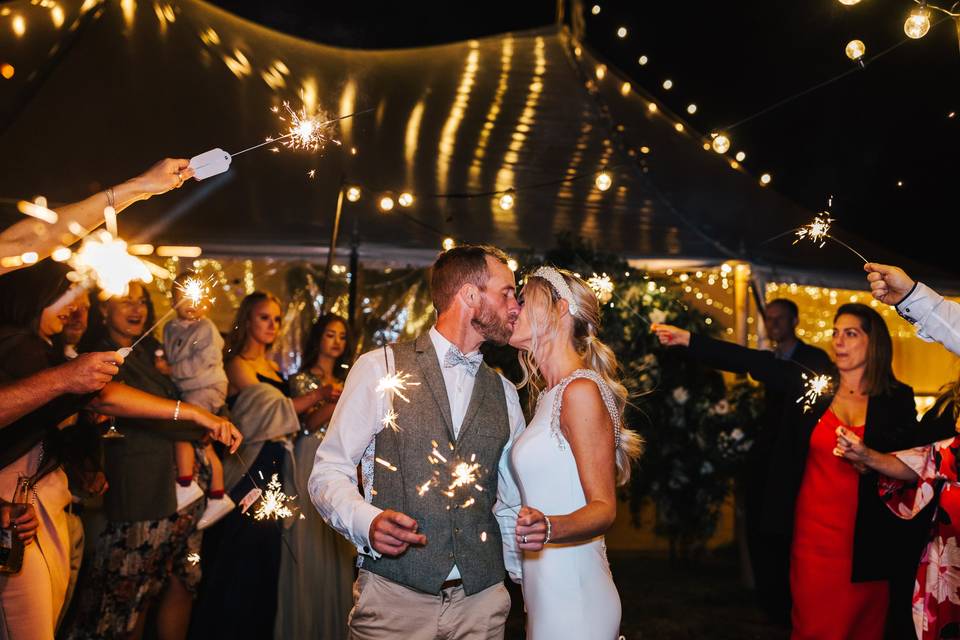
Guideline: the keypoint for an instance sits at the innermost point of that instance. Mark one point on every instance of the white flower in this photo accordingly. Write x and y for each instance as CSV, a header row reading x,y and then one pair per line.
x,y
657,316
681,395
943,570
722,408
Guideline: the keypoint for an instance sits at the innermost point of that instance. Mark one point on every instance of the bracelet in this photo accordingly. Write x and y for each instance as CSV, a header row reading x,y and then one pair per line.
x,y
176,412
111,201
549,530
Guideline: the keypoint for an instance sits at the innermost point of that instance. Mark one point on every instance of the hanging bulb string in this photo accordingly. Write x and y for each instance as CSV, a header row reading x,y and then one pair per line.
x,y
829,81
952,11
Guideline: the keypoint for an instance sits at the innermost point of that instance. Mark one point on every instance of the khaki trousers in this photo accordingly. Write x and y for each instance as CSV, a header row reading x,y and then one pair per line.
x,y
385,609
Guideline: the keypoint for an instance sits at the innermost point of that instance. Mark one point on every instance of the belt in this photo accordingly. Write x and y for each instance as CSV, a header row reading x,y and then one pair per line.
x,y
450,584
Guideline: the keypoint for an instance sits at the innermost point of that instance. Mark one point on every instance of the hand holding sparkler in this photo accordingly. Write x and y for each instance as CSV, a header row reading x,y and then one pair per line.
x,y
89,372
888,284
392,533
671,336
531,529
221,429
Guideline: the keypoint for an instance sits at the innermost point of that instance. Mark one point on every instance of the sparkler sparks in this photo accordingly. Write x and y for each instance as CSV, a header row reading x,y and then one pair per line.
x,y
105,262
195,290
386,463
817,231
602,287
396,383
814,387
273,503
389,421
193,558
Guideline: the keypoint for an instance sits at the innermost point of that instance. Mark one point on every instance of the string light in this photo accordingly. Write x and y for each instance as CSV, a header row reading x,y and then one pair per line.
x,y
622,32
855,50
353,194
625,89
405,199
917,24
765,179
61,254
595,10
721,142
507,201
668,84
652,107
741,156
386,203
691,108
849,3
7,70
604,181
448,243
643,60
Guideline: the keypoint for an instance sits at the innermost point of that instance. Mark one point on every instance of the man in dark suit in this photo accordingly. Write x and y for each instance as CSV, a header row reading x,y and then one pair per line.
x,y
769,553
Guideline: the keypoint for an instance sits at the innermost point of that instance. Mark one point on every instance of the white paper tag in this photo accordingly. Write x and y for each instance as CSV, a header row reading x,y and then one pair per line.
x,y
249,499
210,163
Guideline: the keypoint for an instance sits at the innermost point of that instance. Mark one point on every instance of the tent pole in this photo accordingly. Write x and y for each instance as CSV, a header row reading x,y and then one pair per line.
x,y
354,275
333,246
741,301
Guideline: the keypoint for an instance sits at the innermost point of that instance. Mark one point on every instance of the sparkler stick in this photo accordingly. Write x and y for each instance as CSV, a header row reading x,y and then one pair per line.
x,y
305,132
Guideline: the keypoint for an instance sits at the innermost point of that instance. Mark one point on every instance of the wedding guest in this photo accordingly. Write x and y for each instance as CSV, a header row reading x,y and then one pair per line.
x,y
144,556
770,553
850,558
923,483
316,579
32,312
241,555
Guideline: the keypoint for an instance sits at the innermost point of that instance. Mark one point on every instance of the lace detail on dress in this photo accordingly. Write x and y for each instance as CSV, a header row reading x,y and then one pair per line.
x,y
608,399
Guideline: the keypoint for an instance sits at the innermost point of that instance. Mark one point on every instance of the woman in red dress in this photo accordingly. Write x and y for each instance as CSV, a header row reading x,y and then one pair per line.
x,y
850,557
914,479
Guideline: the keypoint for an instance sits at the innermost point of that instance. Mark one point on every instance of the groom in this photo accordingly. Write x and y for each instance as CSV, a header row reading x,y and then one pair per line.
x,y
431,566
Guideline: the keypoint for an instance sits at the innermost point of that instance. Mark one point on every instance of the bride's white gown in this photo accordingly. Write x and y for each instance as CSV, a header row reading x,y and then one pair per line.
x,y
567,588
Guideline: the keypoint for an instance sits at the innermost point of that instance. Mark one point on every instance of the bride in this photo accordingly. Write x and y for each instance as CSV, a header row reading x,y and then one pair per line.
x,y
569,460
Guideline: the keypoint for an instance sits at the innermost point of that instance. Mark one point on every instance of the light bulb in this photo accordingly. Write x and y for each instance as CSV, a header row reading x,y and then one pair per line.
x,y
353,194
642,60
622,32
668,84
849,3
448,243
741,156
765,179
721,143
604,181
405,199
386,203
507,201
855,49
917,24
625,88
691,109
596,9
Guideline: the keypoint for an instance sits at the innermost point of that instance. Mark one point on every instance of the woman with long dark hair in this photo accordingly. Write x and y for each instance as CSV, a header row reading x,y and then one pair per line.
x,y
316,579
34,303
851,559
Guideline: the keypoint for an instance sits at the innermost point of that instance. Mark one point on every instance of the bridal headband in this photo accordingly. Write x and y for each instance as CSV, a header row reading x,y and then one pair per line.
x,y
559,285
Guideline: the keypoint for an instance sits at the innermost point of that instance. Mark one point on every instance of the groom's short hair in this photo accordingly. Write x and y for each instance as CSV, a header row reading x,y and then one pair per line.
x,y
464,264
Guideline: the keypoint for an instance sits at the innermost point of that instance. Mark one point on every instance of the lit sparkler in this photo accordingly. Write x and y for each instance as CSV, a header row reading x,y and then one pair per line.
x,y
304,131
273,503
814,387
104,261
193,289
389,420
602,287
396,383
817,231
386,463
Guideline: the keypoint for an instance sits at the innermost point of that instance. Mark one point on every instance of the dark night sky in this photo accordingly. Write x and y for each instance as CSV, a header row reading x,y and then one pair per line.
x,y
854,139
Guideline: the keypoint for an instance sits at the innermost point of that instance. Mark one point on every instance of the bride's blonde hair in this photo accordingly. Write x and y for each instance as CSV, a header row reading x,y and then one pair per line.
x,y
540,298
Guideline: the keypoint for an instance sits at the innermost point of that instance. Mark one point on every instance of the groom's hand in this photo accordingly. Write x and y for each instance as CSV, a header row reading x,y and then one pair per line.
x,y
531,529
392,533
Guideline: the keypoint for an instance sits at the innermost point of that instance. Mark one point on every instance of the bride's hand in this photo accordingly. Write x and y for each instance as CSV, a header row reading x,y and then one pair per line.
x,y
531,529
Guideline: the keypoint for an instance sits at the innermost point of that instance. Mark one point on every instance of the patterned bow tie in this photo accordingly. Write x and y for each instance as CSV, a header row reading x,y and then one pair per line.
x,y
455,358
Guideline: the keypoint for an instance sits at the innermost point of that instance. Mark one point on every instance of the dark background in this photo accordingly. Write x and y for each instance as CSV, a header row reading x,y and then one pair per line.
x,y
853,139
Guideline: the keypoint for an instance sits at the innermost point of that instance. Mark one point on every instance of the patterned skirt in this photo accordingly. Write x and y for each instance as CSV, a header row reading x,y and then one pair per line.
x,y
133,562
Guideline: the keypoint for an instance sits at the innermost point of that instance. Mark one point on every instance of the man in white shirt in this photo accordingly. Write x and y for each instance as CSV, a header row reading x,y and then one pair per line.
x,y
935,318
433,550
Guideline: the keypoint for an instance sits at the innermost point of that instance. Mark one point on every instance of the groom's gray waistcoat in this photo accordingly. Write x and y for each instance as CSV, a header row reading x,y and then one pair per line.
x,y
458,531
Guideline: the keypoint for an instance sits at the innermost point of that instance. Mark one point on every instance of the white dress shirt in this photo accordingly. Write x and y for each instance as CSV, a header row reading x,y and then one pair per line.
x,y
350,440
934,317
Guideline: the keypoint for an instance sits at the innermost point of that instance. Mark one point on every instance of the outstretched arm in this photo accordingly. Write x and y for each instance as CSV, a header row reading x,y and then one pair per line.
x,y
850,447
23,237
